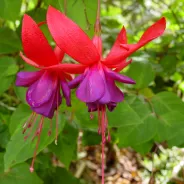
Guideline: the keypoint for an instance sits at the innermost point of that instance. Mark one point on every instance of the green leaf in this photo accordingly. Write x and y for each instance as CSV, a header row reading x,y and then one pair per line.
x,y
66,148
9,41
19,116
168,63
90,138
6,65
11,70
169,110
20,93
142,73
62,176
19,174
82,116
135,121
143,148
22,150
85,17
165,102
10,9
4,135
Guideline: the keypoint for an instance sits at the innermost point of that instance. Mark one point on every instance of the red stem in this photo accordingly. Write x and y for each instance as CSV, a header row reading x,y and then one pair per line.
x,y
97,24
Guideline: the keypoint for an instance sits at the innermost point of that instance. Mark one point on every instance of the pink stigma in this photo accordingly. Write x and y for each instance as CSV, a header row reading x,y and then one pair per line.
x,y
31,169
91,115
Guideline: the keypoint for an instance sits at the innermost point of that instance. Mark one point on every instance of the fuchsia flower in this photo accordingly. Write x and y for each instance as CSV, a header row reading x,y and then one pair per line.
x,y
43,94
96,86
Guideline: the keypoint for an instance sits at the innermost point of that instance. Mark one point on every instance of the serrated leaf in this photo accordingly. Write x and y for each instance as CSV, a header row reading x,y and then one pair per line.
x,y
165,102
169,109
135,121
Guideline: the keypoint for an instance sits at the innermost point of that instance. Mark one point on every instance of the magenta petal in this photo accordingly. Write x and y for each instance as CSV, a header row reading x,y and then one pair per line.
x,y
119,77
92,107
47,109
40,92
111,106
25,79
116,93
66,92
92,87
112,93
106,98
75,82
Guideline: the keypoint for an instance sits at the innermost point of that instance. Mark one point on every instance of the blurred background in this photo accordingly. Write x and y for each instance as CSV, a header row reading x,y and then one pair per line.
x,y
147,128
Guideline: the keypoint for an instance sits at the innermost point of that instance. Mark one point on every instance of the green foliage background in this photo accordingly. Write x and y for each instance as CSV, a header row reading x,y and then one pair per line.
x,y
152,112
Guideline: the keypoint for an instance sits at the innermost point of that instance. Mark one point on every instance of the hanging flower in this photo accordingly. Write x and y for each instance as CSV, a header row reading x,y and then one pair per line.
x,y
96,86
43,94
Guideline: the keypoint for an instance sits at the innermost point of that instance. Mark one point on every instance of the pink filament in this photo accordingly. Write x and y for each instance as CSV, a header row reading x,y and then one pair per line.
x,y
50,129
102,130
38,133
31,128
91,115
28,123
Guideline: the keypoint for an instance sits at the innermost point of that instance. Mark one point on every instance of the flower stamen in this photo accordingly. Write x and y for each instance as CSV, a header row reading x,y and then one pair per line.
x,y
31,128
38,133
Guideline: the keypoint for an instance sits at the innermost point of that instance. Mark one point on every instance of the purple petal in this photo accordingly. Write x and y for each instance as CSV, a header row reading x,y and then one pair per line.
x,y
92,88
119,77
112,92
92,107
47,109
111,106
25,79
106,98
41,91
66,92
75,82
115,92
